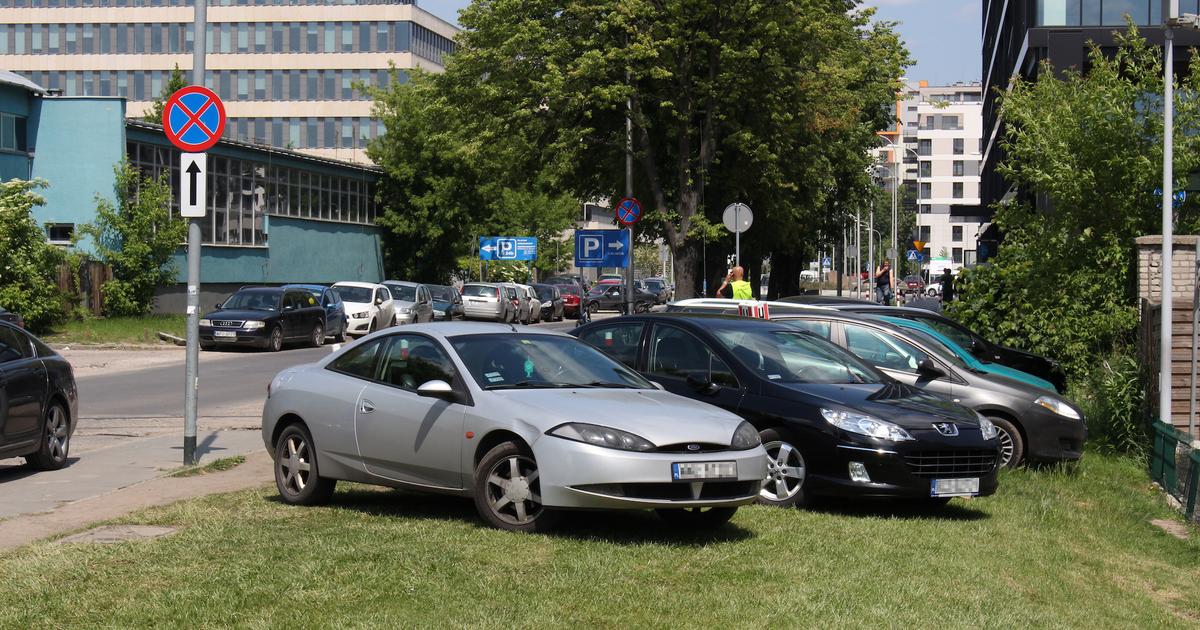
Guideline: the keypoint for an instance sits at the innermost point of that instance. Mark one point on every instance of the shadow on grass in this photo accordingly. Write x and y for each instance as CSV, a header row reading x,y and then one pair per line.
x,y
620,527
956,510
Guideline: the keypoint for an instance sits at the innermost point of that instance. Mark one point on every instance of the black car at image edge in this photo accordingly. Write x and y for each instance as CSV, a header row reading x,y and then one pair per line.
x,y
832,423
38,400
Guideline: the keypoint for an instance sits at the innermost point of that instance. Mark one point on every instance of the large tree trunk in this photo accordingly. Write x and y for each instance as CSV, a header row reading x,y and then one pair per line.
x,y
785,275
687,273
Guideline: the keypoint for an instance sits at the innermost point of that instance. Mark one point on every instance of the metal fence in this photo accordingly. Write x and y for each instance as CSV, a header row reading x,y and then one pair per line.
x,y
1175,465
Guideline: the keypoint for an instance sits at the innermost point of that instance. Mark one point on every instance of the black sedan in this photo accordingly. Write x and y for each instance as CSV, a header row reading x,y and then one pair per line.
x,y
831,423
38,400
264,317
608,296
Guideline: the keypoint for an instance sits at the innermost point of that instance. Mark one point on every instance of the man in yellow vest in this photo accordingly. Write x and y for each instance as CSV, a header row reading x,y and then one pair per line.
x,y
741,288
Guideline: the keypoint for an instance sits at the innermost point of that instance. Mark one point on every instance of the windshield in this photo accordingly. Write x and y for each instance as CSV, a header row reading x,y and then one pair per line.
x,y
440,294
653,285
513,361
480,290
958,335
544,293
569,288
252,301
793,357
361,295
402,293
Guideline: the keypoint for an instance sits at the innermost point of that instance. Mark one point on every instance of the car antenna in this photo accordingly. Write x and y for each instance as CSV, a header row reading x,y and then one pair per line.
x,y
513,327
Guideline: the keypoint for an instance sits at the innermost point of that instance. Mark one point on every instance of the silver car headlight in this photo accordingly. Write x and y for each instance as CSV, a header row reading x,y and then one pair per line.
x,y
362,315
1057,406
253,325
986,427
205,322
597,435
406,310
745,437
864,424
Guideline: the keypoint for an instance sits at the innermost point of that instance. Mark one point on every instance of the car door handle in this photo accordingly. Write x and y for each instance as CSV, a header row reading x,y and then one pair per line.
x,y
366,406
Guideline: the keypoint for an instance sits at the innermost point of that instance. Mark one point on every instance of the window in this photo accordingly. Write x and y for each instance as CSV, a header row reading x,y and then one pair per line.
x,y
958,168
412,360
950,122
676,353
360,361
926,169
956,233
926,190
957,255
382,295
925,208
619,341
14,345
883,350
60,233
819,328
958,190
924,231
925,147
958,146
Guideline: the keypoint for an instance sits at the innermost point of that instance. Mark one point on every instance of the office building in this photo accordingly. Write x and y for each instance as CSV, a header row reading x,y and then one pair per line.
x,y
289,71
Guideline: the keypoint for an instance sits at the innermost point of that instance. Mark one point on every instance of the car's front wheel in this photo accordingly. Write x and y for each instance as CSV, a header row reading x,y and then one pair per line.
x,y
508,490
296,475
786,472
1012,446
275,340
56,440
697,518
593,308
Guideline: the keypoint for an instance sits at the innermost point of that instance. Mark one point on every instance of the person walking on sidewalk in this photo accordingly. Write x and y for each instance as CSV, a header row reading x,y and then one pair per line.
x,y
947,286
883,284
739,289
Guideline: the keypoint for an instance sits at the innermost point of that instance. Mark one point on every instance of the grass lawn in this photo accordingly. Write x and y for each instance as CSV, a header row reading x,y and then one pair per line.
x,y
117,330
1052,549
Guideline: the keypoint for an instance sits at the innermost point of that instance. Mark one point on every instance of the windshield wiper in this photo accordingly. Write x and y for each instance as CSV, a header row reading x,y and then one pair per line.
x,y
609,385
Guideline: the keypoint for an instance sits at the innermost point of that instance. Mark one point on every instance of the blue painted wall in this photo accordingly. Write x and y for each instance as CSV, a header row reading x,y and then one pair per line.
x,y
18,101
79,142
298,250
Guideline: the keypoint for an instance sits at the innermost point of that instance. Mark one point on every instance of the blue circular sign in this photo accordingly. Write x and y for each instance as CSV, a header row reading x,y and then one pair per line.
x,y
629,211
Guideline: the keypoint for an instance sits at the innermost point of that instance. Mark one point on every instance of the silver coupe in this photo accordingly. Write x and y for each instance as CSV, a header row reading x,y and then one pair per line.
x,y
526,423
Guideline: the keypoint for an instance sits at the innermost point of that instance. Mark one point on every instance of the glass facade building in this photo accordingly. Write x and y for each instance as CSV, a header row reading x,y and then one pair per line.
x,y
1104,12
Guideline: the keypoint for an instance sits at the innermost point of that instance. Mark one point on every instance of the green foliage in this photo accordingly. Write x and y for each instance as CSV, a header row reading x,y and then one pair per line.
x,y
137,237
1112,398
176,82
28,263
1063,283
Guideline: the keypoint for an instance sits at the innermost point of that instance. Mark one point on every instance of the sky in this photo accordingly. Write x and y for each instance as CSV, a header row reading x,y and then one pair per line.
x,y
943,36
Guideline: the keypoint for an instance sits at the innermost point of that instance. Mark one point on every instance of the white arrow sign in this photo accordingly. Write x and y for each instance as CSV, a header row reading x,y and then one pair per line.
x,y
193,185
616,245
488,248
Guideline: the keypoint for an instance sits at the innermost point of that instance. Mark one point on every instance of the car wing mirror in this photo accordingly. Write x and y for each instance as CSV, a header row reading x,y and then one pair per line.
x,y
436,389
378,301
658,386
218,305
699,382
928,368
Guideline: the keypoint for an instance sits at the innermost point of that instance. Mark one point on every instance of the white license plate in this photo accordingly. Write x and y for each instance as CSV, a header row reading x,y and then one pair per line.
x,y
704,470
968,487
224,333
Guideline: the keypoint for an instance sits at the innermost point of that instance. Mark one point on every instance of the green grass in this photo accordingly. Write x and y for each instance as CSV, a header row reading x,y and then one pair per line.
x,y
1055,548
219,465
117,330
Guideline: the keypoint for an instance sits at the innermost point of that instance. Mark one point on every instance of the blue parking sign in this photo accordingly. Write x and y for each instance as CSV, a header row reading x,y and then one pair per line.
x,y
601,248
507,248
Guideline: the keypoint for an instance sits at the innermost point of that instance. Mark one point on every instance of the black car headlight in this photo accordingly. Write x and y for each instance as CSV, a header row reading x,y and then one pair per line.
x,y
597,435
745,437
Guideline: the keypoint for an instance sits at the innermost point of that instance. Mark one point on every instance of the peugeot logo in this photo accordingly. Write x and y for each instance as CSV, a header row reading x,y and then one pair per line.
x,y
693,447
946,428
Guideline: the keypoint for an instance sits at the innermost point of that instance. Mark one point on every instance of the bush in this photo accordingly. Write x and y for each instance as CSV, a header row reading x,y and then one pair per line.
x,y
1112,398
28,263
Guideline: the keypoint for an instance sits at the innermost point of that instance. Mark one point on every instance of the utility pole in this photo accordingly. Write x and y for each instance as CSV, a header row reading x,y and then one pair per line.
x,y
858,252
191,385
629,192
1168,212
871,251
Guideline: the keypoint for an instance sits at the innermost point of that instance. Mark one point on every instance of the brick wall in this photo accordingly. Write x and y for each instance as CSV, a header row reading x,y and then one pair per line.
x,y
1183,276
1183,279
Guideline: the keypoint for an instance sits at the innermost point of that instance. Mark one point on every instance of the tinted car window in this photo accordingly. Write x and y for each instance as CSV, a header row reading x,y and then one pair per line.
x,y
619,341
540,361
816,327
441,294
480,290
359,361
403,293
331,298
381,294
252,301
654,285
412,360
882,349
14,346
360,295
789,357
677,353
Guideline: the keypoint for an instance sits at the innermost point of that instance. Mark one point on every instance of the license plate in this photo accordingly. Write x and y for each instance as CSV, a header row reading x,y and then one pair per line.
x,y
968,487
704,470
225,333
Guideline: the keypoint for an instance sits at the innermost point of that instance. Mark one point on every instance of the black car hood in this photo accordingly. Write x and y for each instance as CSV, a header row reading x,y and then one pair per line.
x,y
895,402
240,315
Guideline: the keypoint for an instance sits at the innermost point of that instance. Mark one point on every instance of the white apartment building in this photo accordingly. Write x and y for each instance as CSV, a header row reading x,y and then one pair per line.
x,y
286,69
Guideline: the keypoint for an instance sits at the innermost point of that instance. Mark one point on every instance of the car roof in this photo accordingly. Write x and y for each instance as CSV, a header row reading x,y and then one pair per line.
x,y
314,287
706,321
824,300
263,289
400,283
730,303
361,285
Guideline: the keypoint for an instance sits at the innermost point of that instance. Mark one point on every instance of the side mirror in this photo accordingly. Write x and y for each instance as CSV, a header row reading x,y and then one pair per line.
x,y
928,368
378,301
658,386
699,382
218,306
436,389
289,307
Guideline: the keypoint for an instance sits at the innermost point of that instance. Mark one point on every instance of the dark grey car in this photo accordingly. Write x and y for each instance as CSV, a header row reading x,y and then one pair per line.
x,y
38,400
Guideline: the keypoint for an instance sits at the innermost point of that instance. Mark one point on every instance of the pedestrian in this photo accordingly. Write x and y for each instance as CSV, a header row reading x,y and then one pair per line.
x,y
883,283
739,289
947,286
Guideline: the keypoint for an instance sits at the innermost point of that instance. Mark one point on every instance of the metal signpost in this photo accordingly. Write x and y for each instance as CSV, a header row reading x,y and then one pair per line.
x,y
629,211
193,120
737,219
508,248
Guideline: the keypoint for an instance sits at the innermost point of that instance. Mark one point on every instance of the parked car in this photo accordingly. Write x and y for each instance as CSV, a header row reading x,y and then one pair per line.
x,y
831,423
447,302
370,306
577,281
662,290
984,350
39,403
488,301
912,285
615,277
551,299
411,300
264,317
611,297
520,300
572,296
933,289
11,317
336,320
550,423
535,304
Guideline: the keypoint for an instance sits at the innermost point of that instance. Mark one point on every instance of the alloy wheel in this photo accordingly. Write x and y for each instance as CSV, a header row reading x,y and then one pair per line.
x,y
1006,446
276,339
297,467
318,335
785,472
57,434
513,491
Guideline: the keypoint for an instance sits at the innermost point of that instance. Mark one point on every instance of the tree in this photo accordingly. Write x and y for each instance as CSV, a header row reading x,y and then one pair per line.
x,y
137,237
769,102
176,82
1062,283
28,263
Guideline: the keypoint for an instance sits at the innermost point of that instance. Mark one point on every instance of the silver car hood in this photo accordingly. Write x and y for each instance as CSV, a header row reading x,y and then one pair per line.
x,y
661,417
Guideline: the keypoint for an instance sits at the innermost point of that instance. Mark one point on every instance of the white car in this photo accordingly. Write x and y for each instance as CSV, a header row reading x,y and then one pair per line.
x,y
369,306
535,304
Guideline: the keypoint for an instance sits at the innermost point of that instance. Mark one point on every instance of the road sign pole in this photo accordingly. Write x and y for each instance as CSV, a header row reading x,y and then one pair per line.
x,y
192,361
629,195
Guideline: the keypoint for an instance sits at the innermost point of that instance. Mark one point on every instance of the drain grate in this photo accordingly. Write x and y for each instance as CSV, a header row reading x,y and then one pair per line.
x,y
110,534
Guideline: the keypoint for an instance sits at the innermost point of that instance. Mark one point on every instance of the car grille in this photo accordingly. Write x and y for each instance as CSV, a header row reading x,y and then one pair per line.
x,y
701,447
711,490
227,323
949,464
